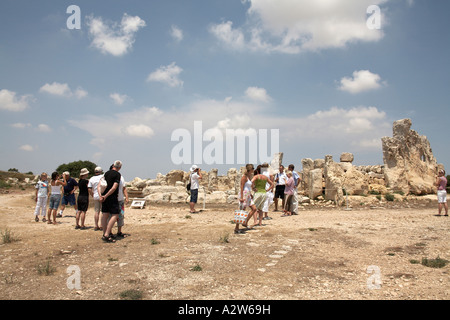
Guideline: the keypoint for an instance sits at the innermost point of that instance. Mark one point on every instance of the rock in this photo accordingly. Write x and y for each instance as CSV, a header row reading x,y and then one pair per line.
x,y
347,157
173,176
315,183
409,164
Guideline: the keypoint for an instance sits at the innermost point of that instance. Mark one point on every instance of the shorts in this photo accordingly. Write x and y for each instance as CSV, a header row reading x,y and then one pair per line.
x,y
279,191
83,203
442,196
68,199
111,206
54,202
121,222
97,206
194,195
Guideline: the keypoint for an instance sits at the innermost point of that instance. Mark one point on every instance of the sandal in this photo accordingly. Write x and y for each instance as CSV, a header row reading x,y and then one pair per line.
x,y
108,239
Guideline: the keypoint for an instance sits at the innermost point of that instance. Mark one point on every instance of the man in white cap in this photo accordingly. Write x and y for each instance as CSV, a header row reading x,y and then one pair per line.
x,y
92,186
195,177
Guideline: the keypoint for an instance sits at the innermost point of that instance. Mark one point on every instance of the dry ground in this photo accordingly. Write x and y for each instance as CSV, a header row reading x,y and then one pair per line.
x,y
319,254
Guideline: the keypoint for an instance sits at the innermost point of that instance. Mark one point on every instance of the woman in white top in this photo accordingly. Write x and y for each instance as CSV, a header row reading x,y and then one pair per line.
x,y
246,199
55,197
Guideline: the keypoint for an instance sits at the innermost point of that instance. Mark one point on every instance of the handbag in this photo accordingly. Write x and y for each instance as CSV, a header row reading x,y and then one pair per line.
x,y
240,215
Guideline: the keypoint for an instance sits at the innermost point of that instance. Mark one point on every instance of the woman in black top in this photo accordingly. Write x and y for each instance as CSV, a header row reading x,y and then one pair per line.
x,y
83,199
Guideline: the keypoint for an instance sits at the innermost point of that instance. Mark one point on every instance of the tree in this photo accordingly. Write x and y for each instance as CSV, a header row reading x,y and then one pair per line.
x,y
75,167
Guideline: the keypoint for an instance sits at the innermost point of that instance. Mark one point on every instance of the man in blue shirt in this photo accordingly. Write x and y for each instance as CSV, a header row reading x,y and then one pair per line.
x,y
69,194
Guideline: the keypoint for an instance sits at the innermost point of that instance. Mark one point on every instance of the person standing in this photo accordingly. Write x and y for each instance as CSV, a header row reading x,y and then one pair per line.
x,y
246,196
55,197
110,201
441,183
69,193
259,182
93,191
280,179
123,199
289,194
42,193
297,180
195,177
83,199
269,190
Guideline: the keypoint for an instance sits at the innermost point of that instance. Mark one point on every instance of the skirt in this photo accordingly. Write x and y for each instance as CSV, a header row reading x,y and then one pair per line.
x,y
259,199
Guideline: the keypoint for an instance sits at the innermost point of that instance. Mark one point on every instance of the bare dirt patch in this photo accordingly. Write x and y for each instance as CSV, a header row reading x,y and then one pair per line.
x,y
170,254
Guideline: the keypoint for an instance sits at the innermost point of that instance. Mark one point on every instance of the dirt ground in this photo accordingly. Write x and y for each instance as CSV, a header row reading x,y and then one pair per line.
x,y
366,253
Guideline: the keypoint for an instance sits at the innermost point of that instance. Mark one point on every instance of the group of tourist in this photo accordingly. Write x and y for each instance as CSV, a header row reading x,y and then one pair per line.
x,y
108,191
257,188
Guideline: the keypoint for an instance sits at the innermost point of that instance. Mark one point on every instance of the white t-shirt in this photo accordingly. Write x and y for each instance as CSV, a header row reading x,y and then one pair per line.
x,y
195,181
93,183
282,178
121,196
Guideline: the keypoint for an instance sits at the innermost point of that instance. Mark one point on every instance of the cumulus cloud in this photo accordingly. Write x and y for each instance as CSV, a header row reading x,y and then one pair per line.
x,y
118,99
362,80
63,90
26,147
139,130
258,94
168,75
116,39
293,26
44,128
176,33
9,101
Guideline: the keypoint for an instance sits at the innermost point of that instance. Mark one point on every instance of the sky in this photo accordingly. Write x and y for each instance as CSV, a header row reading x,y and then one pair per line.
x,y
163,85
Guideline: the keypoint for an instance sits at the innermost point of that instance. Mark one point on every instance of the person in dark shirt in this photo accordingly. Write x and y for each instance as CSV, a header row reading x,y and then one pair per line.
x,y
83,199
110,201
69,193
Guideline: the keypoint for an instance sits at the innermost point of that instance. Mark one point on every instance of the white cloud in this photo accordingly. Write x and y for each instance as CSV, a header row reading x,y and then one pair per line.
x,y
117,39
44,128
362,80
63,90
168,75
232,38
118,99
10,102
293,26
27,148
21,125
176,33
257,94
139,130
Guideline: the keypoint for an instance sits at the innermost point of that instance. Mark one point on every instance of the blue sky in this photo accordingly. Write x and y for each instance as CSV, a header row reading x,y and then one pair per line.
x,y
138,71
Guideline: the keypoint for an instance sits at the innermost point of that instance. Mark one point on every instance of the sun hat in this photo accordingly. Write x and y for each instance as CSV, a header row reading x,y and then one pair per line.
x,y
193,168
84,171
98,169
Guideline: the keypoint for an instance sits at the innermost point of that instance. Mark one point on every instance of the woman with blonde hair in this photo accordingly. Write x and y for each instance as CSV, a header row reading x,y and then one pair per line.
x,y
246,199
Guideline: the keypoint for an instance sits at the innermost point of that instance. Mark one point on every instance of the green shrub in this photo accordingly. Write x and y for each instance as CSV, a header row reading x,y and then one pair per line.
x,y
389,197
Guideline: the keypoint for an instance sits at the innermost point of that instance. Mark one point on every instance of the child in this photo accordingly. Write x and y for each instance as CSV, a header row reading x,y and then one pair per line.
x,y
42,192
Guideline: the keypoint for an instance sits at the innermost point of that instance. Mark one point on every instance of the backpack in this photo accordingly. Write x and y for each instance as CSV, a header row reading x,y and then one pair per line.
x,y
103,184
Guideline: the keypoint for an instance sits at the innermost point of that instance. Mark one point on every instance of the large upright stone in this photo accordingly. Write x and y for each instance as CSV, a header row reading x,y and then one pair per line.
x,y
409,164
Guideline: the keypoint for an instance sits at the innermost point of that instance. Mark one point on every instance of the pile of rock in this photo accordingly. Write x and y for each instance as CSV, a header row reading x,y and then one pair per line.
x,y
409,167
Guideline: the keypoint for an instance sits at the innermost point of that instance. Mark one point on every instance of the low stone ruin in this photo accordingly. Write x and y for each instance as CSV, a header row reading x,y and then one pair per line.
x,y
409,168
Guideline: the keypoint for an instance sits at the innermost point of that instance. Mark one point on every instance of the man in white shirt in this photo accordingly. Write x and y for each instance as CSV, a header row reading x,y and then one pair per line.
x,y
280,179
92,187
195,177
